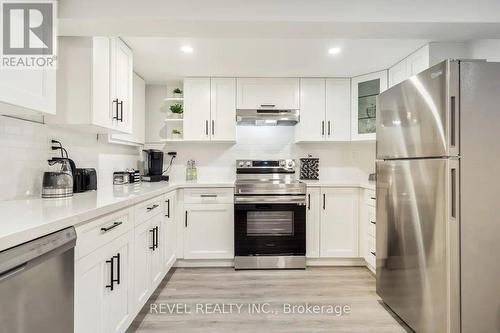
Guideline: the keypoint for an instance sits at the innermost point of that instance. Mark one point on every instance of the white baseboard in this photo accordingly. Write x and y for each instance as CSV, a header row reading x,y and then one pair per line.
x,y
335,262
204,263
191,263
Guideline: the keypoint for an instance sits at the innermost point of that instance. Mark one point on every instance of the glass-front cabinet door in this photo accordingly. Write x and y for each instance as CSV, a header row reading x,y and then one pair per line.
x,y
365,89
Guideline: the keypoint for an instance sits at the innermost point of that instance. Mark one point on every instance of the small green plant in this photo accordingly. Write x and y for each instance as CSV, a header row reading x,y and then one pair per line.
x,y
177,91
176,108
176,131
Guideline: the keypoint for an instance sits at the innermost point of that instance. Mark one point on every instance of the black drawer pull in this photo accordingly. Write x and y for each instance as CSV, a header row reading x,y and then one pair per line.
x,y
152,207
373,222
373,253
168,208
114,225
373,198
117,257
152,231
208,195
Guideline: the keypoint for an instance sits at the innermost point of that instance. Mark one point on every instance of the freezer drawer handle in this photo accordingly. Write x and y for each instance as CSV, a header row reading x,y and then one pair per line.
x,y
11,272
114,225
454,193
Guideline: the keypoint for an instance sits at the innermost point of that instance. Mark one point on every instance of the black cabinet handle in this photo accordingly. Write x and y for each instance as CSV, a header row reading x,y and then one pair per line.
x,y
114,225
267,105
324,201
322,128
373,253
116,109
373,198
308,201
213,127
152,231
373,222
157,243
111,270
117,257
168,208
206,127
328,127
186,220
151,208
121,111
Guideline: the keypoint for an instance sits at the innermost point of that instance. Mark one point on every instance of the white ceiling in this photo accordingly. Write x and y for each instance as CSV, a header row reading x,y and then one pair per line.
x,y
160,59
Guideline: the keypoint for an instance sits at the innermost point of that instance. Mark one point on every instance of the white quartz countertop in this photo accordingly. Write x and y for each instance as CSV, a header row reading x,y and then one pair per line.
x,y
26,219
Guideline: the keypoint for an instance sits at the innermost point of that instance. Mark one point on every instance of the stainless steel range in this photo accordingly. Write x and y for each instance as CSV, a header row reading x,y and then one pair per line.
x,y
269,215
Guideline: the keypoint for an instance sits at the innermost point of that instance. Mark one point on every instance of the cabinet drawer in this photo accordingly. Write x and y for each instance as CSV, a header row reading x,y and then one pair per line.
x,y
372,220
101,231
370,198
208,195
371,256
147,209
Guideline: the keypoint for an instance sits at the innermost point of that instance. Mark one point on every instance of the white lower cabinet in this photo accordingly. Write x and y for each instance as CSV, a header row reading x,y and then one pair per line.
x,y
339,222
103,287
313,222
170,231
209,231
148,258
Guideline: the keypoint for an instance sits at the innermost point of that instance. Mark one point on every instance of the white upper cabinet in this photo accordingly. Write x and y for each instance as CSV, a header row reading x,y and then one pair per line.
x,y
139,110
94,85
122,69
210,109
398,73
338,109
365,89
312,110
324,110
267,93
31,89
223,109
197,109
425,57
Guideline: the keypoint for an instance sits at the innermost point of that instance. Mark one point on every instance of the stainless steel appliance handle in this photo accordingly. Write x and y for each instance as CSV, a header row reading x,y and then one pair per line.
x,y
453,192
12,272
258,199
452,121
114,225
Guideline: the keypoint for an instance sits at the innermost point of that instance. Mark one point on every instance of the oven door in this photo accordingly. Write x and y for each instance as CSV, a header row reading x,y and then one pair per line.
x,y
270,229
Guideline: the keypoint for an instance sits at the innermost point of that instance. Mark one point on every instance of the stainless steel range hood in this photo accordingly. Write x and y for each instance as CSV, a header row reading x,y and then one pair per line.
x,y
267,117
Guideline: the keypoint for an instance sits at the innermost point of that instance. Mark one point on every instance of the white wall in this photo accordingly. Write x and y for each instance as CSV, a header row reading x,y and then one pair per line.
x,y
488,49
25,148
341,162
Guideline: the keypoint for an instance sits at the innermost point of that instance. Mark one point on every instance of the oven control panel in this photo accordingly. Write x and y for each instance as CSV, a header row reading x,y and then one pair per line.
x,y
288,165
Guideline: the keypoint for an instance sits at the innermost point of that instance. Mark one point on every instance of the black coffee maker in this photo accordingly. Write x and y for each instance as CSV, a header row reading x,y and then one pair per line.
x,y
153,165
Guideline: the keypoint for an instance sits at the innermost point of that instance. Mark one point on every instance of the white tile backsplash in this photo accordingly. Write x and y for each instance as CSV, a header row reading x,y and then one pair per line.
x,y
25,149
342,161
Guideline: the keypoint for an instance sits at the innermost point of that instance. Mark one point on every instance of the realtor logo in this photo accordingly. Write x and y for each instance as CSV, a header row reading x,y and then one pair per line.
x,y
28,34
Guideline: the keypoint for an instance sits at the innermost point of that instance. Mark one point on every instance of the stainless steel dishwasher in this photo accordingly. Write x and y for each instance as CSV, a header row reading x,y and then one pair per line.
x,y
37,283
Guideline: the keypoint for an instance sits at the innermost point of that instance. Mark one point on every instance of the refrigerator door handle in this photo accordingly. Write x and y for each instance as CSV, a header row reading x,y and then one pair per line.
x,y
454,244
453,127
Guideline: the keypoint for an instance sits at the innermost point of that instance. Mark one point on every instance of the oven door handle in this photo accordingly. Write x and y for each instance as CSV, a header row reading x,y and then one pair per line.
x,y
263,199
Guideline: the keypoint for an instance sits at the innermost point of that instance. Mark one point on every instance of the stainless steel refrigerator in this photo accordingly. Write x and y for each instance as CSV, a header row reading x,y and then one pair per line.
x,y
438,198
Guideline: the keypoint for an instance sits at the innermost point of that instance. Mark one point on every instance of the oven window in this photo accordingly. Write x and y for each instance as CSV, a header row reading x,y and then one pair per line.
x,y
270,223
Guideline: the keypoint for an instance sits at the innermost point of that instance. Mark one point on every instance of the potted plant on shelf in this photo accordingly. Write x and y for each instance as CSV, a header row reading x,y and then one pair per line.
x,y
177,110
177,92
176,134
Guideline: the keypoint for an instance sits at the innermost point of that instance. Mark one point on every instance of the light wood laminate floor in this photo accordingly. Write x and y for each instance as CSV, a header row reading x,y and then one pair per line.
x,y
196,290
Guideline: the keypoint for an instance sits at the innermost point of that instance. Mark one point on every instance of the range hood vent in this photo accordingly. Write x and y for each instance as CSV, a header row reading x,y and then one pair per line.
x,y
266,117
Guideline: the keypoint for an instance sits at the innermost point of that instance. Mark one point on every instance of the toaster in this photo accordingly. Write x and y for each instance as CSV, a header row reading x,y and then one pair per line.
x,y
84,179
